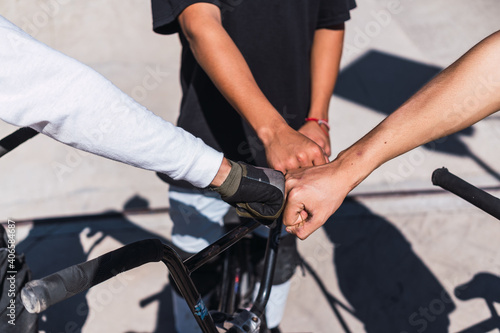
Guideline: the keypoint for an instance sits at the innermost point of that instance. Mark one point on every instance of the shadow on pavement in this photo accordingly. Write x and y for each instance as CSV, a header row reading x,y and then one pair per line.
x,y
389,288
485,286
165,318
335,304
382,81
54,244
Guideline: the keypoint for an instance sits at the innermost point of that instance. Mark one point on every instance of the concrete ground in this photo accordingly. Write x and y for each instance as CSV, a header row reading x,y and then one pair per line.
x,y
391,258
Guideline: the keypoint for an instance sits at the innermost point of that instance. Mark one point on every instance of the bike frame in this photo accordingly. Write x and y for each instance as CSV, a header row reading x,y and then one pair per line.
x,y
181,271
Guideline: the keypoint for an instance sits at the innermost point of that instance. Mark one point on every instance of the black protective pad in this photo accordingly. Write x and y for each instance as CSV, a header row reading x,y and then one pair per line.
x,y
75,279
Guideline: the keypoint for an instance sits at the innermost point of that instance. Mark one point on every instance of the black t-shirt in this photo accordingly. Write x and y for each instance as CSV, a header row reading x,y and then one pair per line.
x,y
275,38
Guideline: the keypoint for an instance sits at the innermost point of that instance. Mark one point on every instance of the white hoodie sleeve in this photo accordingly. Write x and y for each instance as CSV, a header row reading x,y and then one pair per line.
x,y
68,101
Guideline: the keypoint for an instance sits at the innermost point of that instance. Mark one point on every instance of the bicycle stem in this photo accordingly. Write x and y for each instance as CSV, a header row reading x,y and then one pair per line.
x,y
273,241
196,261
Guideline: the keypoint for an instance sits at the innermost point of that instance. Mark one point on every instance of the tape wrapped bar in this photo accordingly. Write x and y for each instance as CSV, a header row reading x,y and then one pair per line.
x,y
38,295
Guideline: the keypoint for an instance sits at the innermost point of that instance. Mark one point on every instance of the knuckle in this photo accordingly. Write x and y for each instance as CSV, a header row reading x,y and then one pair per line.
x,y
279,166
291,181
301,157
294,194
318,151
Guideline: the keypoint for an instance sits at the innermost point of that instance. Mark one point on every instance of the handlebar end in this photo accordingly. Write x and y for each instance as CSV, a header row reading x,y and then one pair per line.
x,y
29,297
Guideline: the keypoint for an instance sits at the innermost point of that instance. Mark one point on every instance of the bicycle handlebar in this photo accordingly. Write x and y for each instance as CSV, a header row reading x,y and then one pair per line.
x,y
479,198
38,295
16,138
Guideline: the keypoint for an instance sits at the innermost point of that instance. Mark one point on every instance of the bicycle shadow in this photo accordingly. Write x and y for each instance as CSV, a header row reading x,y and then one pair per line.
x,y
486,286
55,243
383,82
387,285
165,317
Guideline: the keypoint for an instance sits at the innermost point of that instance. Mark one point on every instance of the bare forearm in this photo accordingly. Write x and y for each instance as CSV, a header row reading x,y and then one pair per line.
x,y
466,92
285,148
217,54
325,59
222,173
461,95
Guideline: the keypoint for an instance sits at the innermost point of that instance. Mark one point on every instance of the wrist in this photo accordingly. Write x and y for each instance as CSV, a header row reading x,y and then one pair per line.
x,y
224,170
272,130
355,164
320,112
322,123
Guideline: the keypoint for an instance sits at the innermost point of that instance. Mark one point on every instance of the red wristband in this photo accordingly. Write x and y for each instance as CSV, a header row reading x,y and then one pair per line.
x,y
320,122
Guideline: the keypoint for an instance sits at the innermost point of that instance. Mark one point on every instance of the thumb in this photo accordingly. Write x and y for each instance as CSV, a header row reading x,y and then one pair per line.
x,y
294,214
303,229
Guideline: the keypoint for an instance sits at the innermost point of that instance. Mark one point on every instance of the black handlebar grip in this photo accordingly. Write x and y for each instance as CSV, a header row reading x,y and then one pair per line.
x,y
38,295
479,198
13,140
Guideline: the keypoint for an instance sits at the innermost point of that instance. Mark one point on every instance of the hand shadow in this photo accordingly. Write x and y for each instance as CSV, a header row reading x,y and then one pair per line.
x,y
487,287
385,282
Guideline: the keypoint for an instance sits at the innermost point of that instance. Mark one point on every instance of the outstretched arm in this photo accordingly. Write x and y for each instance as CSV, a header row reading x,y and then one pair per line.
x,y
68,101
464,93
213,48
